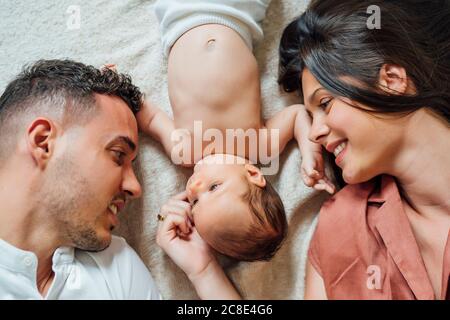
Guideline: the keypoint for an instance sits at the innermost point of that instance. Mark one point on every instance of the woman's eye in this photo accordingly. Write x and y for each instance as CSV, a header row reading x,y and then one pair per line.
x,y
194,202
213,187
324,103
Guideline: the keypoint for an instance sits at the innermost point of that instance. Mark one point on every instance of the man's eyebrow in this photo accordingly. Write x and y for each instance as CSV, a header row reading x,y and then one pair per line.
x,y
124,140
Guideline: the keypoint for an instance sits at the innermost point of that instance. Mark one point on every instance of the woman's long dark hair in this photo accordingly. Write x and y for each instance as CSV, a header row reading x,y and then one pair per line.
x,y
332,40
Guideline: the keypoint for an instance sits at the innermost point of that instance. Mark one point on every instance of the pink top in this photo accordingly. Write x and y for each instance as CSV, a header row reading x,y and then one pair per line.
x,y
364,247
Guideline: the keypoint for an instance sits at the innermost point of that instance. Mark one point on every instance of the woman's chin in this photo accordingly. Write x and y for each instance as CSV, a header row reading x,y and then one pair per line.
x,y
352,176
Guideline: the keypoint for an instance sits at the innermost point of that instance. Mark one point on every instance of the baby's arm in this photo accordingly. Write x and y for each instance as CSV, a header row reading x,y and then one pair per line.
x,y
312,168
284,123
294,122
153,121
156,123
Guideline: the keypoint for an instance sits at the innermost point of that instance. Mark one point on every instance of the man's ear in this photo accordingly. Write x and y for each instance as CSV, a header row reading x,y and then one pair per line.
x,y
393,79
41,136
255,176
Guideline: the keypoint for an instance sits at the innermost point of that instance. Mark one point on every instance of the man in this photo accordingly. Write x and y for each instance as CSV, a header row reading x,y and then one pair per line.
x,y
68,139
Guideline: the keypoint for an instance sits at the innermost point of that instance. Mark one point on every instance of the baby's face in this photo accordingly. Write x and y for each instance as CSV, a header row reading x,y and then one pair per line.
x,y
215,191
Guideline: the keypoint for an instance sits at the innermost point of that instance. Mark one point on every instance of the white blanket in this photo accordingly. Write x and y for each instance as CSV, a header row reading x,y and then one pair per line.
x,y
126,33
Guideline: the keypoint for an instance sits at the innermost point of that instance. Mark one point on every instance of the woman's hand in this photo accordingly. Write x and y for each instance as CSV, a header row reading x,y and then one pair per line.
x,y
179,238
312,169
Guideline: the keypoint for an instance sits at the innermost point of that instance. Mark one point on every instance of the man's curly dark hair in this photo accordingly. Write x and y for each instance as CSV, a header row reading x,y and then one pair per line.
x,y
61,88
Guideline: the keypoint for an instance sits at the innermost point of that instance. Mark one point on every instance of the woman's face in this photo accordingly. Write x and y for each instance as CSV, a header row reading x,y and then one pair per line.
x,y
365,145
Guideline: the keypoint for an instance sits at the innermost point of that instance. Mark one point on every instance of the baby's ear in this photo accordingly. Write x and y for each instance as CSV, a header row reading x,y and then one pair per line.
x,y
255,176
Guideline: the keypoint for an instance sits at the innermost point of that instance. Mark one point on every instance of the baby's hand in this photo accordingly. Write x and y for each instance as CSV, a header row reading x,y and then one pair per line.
x,y
109,66
178,237
312,170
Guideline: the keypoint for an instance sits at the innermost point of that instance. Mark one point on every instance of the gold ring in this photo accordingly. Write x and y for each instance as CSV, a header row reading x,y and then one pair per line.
x,y
161,217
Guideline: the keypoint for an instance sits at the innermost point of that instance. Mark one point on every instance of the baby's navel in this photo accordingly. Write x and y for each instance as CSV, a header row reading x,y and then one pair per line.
x,y
211,44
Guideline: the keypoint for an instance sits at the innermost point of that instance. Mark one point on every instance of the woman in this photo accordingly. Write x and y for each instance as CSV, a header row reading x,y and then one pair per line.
x,y
380,101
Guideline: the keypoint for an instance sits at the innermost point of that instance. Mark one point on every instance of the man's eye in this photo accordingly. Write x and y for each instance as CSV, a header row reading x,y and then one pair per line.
x,y
213,187
119,156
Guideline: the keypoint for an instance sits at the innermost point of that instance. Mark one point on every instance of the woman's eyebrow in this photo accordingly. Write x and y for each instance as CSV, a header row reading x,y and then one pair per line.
x,y
313,95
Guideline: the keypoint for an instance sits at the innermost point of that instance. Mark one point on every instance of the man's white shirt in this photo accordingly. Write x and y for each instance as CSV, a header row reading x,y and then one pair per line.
x,y
114,273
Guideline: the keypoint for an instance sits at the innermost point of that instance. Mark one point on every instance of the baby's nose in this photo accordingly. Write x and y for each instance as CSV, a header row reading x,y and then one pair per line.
x,y
194,186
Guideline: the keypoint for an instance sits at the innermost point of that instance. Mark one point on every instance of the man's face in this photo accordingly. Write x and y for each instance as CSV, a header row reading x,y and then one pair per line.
x,y
90,176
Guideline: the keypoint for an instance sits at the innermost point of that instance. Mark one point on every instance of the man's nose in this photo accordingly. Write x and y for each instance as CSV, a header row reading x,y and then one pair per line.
x,y
319,130
131,185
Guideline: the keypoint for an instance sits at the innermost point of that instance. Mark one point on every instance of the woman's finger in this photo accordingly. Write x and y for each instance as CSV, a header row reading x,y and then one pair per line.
x,y
180,196
178,210
171,223
331,188
324,185
307,180
186,206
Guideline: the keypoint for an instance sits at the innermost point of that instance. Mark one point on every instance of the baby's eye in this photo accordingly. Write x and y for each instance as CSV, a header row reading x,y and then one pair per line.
x,y
213,187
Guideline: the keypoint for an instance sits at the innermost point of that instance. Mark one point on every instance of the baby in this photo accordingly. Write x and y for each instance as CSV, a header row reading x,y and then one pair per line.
x,y
213,80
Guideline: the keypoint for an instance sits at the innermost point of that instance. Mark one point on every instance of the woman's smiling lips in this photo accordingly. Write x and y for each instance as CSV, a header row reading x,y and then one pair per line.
x,y
338,148
340,153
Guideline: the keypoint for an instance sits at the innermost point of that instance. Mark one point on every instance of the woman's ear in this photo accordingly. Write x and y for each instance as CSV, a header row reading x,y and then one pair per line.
x,y
255,176
41,140
393,79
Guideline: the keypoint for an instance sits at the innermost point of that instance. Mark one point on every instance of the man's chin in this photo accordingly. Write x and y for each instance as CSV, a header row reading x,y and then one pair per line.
x,y
96,248
96,244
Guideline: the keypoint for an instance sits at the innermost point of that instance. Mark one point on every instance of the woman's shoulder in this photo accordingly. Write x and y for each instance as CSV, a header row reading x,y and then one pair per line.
x,y
346,213
351,197
342,220
350,211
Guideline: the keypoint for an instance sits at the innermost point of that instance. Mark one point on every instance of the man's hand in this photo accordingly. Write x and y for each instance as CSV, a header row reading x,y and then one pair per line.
x,y
179,238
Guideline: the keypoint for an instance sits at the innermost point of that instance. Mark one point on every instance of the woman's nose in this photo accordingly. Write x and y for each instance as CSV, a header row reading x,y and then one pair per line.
x,y
319,130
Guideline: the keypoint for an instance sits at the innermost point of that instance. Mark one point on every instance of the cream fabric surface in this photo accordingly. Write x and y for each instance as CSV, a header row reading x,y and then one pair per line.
x,y
126,33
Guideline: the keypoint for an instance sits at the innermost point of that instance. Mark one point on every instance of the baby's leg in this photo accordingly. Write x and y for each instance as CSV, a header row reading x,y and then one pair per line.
x,y
211,66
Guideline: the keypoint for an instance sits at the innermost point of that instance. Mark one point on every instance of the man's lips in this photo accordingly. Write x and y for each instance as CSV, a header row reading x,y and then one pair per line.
x,y
113,219
114,209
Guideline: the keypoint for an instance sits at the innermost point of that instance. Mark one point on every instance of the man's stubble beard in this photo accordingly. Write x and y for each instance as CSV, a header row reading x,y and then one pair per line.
x,y
66,193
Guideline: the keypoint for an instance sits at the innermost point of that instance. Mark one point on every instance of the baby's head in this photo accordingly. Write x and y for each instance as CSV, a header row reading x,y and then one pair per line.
x,y
235,210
